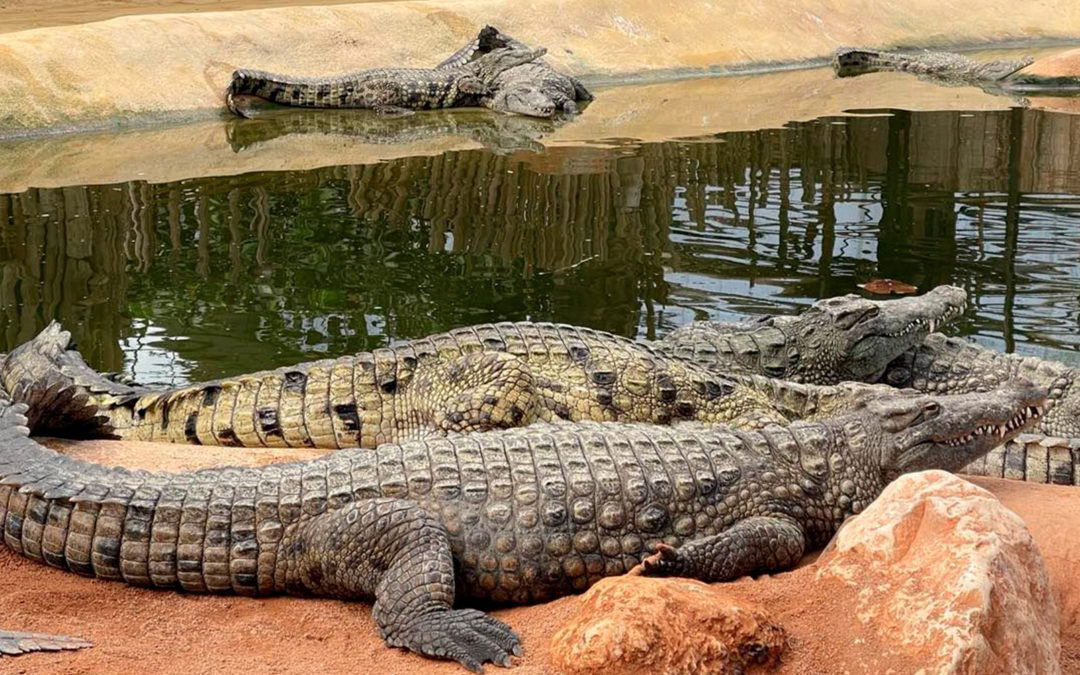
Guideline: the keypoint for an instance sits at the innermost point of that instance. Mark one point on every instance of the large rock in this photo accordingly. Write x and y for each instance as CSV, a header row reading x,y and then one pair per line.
x,y
951,576
635,624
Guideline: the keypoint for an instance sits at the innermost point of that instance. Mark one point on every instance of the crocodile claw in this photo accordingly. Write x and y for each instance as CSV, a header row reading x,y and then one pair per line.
x,y
664,560
467,636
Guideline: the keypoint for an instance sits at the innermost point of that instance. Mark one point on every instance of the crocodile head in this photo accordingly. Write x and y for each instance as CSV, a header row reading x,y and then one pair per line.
x,y
920,431
486,67
523,99
853,338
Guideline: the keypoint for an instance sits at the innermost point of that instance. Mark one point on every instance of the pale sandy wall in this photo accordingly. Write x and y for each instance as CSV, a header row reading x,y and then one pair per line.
x,y
140,67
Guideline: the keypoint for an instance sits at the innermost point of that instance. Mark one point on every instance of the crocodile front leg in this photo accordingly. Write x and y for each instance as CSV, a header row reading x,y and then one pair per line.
x,y
393,550
753,545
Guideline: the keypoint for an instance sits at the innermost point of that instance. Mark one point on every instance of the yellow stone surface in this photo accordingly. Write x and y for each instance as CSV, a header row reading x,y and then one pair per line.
x,y
141,68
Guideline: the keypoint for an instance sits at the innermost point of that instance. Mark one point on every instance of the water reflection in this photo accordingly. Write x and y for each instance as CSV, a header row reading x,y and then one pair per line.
x,y
194,279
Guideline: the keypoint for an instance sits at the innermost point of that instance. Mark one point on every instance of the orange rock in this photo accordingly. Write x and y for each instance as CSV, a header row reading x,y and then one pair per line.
x,y
635,624
1061,64
951,576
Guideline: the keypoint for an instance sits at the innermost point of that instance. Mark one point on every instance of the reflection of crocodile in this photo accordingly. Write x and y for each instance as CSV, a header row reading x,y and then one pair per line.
x,y
386,90
834,340
947,68
498,133
511,516
534,88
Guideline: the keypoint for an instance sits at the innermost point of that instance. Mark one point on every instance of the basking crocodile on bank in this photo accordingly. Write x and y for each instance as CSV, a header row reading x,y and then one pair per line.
x,y
470,379
534,88
834,340
385,90
997,77
509,516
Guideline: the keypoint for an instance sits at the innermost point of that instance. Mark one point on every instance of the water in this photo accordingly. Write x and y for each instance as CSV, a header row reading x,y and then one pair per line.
x,y
200,278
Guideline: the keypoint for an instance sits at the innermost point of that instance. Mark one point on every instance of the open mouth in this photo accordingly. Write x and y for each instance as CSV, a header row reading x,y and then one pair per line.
x,y
931,323
1027,414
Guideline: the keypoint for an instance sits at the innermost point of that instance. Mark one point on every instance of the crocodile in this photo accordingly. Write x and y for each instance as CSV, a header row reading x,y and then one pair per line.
x,y
507,516
834,340
996,77
534,89
385,90
469,379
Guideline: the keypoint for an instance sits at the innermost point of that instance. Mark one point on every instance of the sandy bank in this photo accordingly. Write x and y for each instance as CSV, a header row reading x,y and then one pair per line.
x,y
166,632
143,68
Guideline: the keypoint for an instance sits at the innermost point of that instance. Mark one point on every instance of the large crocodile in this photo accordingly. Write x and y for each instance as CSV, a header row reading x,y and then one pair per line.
x,y
834,340
534,88
385,90
509,516
998,77
469,379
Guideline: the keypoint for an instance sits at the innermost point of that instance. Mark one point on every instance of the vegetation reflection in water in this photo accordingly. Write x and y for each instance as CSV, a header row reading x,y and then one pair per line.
x,y
199,278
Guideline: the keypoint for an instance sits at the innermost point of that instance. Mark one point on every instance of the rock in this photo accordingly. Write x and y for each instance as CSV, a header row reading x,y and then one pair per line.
x,y
951,576
635,624
1060,64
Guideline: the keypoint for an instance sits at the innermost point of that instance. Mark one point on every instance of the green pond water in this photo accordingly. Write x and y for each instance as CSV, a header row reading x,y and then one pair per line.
x,y
210,276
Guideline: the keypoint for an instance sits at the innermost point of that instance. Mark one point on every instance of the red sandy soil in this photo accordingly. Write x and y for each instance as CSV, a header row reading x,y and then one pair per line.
x,y
148,631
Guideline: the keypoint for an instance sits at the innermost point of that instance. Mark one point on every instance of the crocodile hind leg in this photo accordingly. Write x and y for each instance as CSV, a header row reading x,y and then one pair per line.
x,y
14,643
750,546
476,392
393,550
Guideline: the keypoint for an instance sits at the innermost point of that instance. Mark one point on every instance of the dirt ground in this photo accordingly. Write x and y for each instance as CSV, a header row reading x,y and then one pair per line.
x,y
149,631
16,15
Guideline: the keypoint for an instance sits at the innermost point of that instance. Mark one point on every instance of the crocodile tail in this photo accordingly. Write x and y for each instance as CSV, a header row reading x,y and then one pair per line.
x,y
61,391
13,643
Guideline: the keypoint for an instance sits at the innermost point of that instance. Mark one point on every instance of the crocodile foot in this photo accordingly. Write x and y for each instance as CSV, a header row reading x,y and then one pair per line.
x,y
665,560
15,643
467,636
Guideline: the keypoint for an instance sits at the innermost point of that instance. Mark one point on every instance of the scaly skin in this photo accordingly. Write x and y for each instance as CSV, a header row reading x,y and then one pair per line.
x,y
946,66
470,379
510,516
944,365
834,340
385,90
1034,458
498,133
534,89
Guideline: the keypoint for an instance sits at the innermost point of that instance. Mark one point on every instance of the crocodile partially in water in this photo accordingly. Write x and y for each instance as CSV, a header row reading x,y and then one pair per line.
x,y
385,90
834,340
534,89
1006,76
509,516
